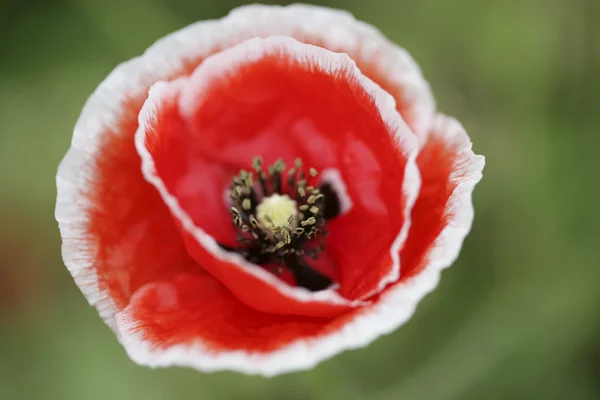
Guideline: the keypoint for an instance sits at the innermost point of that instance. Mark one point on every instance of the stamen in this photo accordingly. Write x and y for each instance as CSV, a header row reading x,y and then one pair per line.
x,y
256,164
277,218
285,234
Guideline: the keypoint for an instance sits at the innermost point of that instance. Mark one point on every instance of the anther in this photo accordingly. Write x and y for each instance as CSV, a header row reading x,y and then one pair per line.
x,y
257,163
309,221
279,166
285,235
246,204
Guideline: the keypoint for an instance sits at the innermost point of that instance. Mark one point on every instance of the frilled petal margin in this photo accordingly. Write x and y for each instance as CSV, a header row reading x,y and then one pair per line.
x,y
187,321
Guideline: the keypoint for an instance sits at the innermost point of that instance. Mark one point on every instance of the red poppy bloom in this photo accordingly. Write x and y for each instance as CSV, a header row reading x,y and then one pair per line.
x,y
262,192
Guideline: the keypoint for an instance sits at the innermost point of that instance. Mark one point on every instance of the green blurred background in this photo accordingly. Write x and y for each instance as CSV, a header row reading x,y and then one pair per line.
x,y
517,317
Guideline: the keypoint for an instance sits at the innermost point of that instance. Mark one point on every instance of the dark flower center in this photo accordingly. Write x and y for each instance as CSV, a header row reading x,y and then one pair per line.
x,y
279,215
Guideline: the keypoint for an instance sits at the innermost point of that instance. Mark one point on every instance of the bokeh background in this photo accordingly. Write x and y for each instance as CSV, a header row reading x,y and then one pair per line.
x,y
517,317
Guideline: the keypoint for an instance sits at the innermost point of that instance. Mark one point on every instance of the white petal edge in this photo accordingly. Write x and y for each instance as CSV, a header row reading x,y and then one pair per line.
x,y
223,63
165,59
394,308
78,254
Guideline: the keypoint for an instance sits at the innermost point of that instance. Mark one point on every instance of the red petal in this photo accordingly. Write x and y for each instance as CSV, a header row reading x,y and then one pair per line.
x,y
193,320
365,242
198,307
130,227
443,212
198,183
236,113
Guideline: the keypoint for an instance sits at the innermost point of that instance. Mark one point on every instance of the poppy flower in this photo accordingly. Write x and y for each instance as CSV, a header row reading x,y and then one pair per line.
x,y
261,192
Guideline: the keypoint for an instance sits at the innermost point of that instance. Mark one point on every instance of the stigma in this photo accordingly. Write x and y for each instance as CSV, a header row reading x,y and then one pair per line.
x,y
277,212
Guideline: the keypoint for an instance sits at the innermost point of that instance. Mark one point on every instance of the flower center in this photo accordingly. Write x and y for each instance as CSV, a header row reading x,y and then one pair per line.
x,y
279,216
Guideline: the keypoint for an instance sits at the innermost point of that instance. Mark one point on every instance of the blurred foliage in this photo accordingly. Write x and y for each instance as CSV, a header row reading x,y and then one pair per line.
x,y
517,317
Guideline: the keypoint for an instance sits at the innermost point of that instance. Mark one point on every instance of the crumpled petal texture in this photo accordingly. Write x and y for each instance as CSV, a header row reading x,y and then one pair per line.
x,y
140,191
